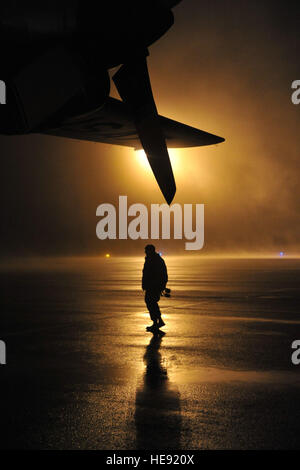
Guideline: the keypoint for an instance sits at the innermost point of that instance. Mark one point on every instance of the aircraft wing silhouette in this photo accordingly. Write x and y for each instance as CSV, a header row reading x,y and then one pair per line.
x,y
113,124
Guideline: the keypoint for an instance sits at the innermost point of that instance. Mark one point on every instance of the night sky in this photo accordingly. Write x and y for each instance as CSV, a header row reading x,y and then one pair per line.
x,y
225,67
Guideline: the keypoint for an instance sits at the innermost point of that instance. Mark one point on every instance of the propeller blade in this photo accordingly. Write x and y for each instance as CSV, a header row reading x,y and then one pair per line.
x,y
133,84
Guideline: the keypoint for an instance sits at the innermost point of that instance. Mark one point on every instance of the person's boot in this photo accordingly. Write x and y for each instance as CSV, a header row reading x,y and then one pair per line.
x,y
160,322
153,327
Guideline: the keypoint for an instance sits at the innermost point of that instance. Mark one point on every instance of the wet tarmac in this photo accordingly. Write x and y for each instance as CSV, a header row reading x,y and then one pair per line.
x,y
83,373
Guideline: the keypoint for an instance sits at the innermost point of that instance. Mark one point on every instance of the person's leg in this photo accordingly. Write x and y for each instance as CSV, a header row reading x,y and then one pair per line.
x,y
151,300
160,321
149,304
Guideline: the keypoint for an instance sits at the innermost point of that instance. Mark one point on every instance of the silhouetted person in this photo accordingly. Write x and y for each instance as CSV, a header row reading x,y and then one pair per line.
x,y
155,278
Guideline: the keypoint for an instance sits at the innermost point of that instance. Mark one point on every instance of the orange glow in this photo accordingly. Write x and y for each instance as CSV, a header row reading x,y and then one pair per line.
x,y
174,157
249,183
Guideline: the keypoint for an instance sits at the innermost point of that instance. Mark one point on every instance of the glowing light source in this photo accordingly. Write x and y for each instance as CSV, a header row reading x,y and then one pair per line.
x,y
174,157
107,255
281,254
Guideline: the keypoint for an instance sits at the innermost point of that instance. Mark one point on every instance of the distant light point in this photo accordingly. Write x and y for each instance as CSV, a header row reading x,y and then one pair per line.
x,y
281,254
107,255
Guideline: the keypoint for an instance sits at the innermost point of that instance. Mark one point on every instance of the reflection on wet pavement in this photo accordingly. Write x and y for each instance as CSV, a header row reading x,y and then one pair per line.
x,y
157,415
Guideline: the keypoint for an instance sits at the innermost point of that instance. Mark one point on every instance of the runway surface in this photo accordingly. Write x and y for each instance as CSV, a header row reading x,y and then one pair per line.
x,y
82,372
